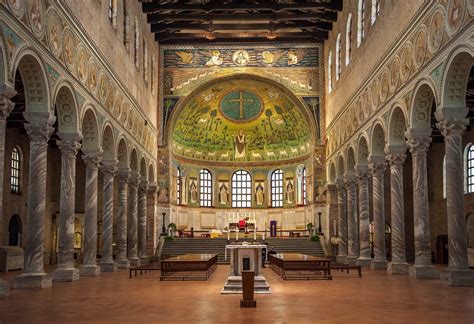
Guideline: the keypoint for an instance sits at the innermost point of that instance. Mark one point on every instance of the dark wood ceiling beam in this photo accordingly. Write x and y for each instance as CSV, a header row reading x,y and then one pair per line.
x,y
161,37
323,26
149,7
327,17
239,40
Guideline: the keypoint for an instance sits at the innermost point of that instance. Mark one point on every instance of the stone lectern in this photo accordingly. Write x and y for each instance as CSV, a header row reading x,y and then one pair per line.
x,y
245,257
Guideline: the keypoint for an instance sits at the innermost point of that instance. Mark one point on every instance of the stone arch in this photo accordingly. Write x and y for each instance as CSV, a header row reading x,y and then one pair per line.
x,y
143,168
3,63
397,126
362,151
122,153
33,75
151,174
134,161
350,160
340,167
108,143
454,87
15,230
66,109
421,107
377,144
90,131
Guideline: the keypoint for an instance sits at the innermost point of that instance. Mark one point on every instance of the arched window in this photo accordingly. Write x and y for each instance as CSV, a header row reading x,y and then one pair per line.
x,y
305,197
113,13
205,188
470,169
375,10
361,22
338,56
444,177
145,62
126,27
179,187
15,170
330,71
14,231
277,188
241,189
349,39
137,43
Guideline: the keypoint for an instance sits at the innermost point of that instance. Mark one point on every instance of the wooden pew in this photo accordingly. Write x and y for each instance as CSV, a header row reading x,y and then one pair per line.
x,y
188,267
300,266
347,267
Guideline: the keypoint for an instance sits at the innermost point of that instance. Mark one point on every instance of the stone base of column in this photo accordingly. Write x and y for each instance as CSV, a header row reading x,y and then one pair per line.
x,y
397,268
457,277
89,270
351,260
364,262
122,264
378,265
144,260
423,272
341,259
4,289
65,274
134,262
32,280
108,267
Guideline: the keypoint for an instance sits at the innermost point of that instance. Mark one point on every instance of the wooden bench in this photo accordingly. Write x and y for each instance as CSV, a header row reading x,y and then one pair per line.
x,y
153,266
341,267
300,266
188,267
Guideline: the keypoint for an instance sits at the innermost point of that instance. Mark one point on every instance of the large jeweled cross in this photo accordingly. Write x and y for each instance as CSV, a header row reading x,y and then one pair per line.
x,y
241,102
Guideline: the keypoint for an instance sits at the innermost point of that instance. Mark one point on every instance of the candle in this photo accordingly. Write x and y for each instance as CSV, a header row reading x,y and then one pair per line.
x,y
228,235
237,235
255,233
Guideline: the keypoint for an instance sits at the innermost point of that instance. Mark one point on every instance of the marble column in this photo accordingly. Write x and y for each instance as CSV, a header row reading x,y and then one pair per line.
x,y
6,106
418,146
132,223
364,259
342,222
107,263
352,228
33,275
458,272
152,222
89,265
121,259
377,167
66,271
142,223
399,264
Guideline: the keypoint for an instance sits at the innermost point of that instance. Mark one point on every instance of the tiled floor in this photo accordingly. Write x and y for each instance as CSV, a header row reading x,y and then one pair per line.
x,y
113,298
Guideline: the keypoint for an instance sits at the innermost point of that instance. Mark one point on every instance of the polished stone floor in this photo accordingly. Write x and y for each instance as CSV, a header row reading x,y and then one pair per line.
x,y
113,298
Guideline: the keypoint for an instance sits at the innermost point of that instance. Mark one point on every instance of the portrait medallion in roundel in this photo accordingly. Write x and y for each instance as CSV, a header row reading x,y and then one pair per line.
x,y
17,7
241,106
454,16
420,47
436,31
36,17
55,32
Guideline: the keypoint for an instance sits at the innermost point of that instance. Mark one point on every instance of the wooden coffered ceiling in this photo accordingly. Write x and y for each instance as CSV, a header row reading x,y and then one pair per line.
x,y
228,21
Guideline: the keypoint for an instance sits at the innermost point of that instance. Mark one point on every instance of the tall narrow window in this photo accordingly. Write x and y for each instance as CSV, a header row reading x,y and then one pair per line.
x,y
349,39
205,188
444,177
375,10
145,62
179,187
360,22
470,169
15,170
113,13
338,56
330,71
241,189
277,188
305,199
126,27
137,44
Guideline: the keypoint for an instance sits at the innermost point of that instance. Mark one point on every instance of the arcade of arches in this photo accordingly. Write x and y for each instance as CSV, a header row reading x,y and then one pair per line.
x,y
125,122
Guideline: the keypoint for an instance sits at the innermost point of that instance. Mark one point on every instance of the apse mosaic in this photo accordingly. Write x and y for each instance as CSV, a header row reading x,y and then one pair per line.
x,y
241,119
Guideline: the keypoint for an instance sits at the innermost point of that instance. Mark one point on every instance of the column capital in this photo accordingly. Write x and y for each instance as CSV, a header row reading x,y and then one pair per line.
x,y
396,159
68,148
6,106
418,143
123,175
362,171
377,164
452,127
152,187
349,179
39,132
92,160
340,185
109,167
133,179
143,186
